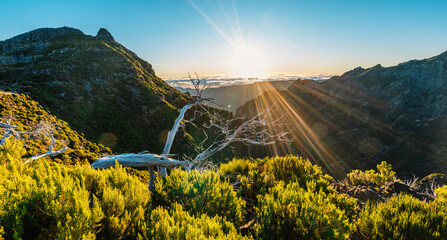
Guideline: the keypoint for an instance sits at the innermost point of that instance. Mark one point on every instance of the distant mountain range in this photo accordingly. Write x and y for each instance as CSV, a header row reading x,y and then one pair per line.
x,y
396,114
230,98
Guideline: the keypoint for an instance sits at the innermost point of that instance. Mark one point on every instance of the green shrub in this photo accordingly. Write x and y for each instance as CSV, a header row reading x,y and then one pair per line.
x,y
244,175
200,192
441,194
358,177
403,217
257,177
291,212
380,178
11,150
293,169
46,200
179,224
123,199
237,167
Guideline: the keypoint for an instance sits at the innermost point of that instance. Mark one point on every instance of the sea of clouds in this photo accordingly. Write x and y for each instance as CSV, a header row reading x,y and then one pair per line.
x,y
184,83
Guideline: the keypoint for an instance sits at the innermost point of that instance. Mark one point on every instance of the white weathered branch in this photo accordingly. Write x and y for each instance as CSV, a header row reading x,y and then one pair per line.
x,y
199,86
4,125
9,131
138,160
50,151
254,131
176,126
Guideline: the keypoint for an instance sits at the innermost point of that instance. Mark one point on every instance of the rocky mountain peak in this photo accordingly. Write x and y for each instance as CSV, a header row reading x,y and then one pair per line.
x,y
39,37
42,34
104,35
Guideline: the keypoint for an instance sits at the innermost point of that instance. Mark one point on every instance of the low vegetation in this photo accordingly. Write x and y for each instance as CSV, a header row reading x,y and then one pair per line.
x,y
270,198
27,114
380,178
403,217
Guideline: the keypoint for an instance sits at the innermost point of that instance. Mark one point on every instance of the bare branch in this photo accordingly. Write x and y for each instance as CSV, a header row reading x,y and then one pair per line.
x,y
4,125
50,151
10,130
176,126
254,131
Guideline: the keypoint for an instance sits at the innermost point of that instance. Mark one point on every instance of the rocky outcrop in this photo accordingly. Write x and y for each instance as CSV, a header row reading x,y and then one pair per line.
x,y
104,35
35,40
18,49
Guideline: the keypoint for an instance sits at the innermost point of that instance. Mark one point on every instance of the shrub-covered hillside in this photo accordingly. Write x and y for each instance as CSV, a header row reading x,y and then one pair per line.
x,y
271,198
28,115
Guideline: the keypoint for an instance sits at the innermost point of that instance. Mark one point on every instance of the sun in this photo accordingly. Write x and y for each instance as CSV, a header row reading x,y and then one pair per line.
x,y
248,62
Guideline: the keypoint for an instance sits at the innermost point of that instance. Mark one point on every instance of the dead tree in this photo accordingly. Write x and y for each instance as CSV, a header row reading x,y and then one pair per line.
x,y
10,130
254,130
50,152
43,128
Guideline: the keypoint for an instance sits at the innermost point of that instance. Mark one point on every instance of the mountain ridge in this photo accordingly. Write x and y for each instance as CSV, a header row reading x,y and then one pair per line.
x,y
364,116
97,85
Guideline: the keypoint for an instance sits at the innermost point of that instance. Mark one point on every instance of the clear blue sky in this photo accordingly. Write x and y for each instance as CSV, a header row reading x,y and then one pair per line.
x,y
297,36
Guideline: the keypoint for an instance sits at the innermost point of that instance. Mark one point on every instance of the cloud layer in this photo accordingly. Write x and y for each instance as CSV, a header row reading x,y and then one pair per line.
x,y
220,81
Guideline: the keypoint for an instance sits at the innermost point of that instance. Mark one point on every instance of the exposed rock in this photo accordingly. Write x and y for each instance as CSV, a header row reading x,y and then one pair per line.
x,y
35,40
104,35
398,187
364,194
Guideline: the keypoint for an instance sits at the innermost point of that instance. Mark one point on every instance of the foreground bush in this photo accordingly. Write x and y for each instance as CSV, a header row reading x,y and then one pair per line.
x,y
403,217
287,198
442,194
48,201
256,178
291,212
241,167
200,193
123,199
380,178
179,224
293,169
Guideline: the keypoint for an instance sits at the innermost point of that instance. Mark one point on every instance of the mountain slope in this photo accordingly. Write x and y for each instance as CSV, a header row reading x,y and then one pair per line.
x,y
28,114
232,97
356,120
101,88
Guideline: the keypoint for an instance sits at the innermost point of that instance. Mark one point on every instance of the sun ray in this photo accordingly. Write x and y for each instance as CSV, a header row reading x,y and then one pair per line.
x,y
212,23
